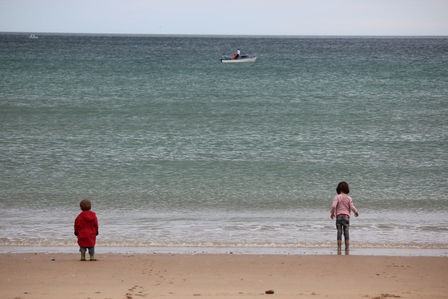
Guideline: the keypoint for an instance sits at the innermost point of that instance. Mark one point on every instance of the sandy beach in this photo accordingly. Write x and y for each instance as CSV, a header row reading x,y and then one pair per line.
x,y
221,276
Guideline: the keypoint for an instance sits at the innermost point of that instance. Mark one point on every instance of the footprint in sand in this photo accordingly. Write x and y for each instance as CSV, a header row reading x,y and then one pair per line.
x,y
383,296
136,290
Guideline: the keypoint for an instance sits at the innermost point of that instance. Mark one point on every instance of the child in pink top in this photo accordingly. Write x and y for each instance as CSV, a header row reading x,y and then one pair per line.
x,y
342,208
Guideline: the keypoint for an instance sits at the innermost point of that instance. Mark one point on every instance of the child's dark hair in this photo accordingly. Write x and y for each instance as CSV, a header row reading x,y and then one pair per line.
x,y
343,187
85,205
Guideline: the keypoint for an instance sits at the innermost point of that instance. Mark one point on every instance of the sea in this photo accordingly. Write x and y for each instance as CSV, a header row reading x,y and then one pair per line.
x,y
180,153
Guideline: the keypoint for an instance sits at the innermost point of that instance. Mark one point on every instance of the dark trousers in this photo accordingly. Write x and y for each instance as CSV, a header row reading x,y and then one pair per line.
x,y
91,250
342,225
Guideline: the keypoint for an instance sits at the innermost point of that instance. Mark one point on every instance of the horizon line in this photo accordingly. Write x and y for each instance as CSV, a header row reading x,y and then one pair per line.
x,y
221,35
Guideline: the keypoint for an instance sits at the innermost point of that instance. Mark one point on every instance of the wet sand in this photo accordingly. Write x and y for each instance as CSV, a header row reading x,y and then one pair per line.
x,y
222,276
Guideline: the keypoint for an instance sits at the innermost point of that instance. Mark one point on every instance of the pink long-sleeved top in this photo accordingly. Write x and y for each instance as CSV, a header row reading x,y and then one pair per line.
x,y
343,205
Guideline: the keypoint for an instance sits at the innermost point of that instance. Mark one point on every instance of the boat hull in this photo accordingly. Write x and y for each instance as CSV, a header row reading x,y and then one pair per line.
x,y
239,60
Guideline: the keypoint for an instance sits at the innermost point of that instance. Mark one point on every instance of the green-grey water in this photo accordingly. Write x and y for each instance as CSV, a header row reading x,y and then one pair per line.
x,y
176,149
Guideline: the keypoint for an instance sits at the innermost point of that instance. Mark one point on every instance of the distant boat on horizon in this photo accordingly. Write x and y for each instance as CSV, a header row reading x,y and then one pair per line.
x,y
237,57
33,36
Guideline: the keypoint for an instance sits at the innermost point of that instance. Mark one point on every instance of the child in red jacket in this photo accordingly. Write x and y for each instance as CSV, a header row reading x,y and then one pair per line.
x,y
86,229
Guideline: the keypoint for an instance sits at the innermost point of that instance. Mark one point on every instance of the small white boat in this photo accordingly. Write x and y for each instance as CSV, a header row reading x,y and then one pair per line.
x,y
33,36
237,59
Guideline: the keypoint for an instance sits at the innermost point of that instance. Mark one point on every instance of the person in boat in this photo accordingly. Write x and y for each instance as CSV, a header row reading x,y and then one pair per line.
x,y
237,55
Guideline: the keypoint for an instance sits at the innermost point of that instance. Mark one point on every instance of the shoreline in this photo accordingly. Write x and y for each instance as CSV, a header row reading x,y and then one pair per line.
x,y
176,276
189,250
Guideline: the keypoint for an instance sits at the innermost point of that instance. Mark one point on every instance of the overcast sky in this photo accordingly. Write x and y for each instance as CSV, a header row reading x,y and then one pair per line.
x,y
245,17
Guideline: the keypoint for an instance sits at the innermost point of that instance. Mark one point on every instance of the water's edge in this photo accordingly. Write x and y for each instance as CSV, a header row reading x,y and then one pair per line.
x,y
443,252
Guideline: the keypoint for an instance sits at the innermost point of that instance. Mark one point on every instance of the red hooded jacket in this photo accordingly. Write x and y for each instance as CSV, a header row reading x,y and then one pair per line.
x,y
86,228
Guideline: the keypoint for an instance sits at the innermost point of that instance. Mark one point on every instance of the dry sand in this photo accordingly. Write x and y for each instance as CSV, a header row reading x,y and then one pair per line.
x,y
221,276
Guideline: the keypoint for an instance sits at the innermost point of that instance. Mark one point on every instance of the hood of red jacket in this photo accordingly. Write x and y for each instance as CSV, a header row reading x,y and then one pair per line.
x,y
88,216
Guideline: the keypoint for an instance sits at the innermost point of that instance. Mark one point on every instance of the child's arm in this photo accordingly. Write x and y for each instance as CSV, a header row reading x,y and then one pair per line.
x,y
96,225
333,207
76,226
353,208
